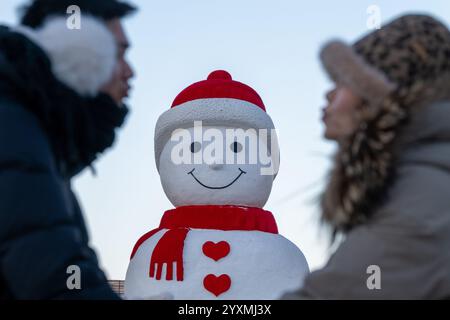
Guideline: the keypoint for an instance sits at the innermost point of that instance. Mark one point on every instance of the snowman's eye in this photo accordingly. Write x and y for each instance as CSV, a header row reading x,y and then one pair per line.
x,y
236,147
195,147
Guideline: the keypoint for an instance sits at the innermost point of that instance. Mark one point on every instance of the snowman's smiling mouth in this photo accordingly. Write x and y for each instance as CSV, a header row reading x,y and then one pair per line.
x,y
209,187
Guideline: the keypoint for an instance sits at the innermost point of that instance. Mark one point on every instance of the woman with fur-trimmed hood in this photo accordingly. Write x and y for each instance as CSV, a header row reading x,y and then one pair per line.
x,y
389,190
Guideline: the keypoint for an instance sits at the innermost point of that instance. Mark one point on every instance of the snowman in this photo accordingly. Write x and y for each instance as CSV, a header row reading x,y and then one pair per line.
x,y
217,157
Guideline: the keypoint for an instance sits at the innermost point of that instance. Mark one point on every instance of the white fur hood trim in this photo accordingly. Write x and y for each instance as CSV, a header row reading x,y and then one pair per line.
x,y
84,59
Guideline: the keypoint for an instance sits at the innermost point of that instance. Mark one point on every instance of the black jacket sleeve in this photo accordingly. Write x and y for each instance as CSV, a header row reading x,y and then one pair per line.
x,y
40,234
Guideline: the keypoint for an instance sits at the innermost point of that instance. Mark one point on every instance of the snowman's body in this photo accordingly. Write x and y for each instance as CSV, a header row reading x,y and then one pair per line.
x,y
259,265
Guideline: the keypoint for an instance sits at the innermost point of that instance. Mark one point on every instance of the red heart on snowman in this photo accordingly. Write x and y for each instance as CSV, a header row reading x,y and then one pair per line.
x,y
216,251
217,285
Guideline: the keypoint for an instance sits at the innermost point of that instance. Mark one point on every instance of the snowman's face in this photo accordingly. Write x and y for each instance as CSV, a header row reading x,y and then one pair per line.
x,y
217,169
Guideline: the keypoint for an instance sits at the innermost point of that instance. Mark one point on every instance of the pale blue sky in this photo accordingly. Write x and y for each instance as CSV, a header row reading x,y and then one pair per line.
x,y
271,46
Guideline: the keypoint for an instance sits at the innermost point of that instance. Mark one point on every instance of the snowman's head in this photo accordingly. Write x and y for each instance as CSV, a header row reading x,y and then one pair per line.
x,y
216,165
217,145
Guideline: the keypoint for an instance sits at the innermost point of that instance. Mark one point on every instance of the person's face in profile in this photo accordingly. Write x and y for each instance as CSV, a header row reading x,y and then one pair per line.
x,y
341,116
118,87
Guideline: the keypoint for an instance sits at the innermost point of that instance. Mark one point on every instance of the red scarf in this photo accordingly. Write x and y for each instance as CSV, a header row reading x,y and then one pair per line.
x,y
179,221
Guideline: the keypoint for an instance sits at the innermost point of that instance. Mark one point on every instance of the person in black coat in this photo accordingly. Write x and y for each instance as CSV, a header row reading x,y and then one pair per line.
x,y
51,128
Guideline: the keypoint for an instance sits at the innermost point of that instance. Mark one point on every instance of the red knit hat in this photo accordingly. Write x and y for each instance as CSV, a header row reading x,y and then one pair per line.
x,y
216,101
219,84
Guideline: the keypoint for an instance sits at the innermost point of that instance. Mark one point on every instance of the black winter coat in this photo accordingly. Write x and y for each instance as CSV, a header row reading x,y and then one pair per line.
x,y
48,133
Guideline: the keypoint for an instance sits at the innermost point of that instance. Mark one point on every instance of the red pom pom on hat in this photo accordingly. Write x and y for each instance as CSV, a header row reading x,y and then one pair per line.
x,y
219,75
